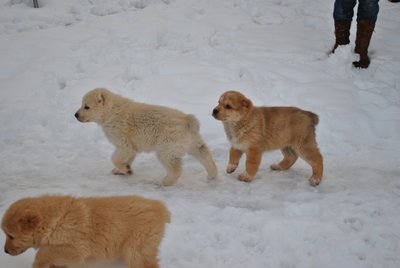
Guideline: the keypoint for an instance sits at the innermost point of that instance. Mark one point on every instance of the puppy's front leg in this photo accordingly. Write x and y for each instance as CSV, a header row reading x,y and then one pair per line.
x,y
253,159
122,159
56,257
234,158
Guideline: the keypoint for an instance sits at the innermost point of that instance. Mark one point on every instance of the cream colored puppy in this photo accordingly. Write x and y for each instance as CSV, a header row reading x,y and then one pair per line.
x,y
74,231
134,127
253,130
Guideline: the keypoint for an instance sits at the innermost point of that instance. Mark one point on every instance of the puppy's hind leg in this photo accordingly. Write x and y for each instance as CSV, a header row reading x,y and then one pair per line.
x,y
310,153
173,164
140,249
201,152
289,158
139,260
122,159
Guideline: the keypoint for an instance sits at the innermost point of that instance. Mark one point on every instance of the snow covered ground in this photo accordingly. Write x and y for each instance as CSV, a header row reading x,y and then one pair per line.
x,y
184,54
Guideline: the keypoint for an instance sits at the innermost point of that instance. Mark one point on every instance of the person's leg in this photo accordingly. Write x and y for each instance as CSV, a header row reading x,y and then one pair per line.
x,y
343,12
368,10
367,15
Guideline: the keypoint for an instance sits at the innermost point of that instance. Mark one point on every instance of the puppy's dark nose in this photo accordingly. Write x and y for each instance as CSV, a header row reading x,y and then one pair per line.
x,y
215,111
6,251
77,115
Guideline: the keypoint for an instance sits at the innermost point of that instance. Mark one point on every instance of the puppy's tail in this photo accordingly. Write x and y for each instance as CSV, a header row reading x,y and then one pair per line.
x,y
314,118
192,123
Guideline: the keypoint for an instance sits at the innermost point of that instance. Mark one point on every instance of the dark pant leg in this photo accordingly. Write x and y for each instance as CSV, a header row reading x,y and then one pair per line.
x,y
368,10
344,10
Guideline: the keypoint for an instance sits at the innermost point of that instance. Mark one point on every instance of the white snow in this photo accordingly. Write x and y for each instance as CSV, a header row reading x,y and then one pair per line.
x,y
184,54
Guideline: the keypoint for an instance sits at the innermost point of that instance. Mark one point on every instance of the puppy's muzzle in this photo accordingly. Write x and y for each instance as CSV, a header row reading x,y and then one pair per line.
x,y
77,115
215,112
13,252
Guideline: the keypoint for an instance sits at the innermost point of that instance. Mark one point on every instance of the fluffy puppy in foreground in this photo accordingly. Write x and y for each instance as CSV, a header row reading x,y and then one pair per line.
x,y
253,130
134,127
71,231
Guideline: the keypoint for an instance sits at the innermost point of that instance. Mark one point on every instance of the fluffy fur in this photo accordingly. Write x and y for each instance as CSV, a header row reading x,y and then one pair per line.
x,y
137,127
253,130
70,231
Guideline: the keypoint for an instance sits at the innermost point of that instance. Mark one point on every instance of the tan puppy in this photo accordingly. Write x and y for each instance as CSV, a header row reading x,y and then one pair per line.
x,y
253,130
70,231
137,127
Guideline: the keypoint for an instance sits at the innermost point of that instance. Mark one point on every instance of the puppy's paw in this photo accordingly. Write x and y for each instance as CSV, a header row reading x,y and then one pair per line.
x,y
127,171
36,264
212,173
276,167
231,168
212,177
314,181
168,182
245,177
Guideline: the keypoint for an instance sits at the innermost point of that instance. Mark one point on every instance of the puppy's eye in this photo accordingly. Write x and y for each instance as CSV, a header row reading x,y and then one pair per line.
x,y
11,237
228,107
86,107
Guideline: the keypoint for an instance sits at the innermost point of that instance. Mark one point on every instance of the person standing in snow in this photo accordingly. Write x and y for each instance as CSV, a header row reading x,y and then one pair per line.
x,y
367,15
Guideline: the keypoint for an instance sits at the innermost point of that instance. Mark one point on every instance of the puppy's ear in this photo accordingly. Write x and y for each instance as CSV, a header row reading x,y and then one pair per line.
x,y
101,98
247,103
29,220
